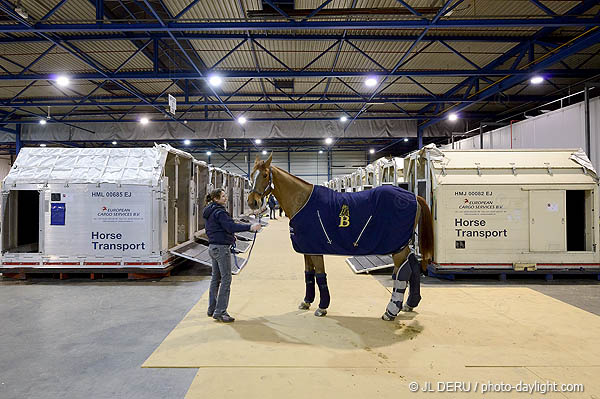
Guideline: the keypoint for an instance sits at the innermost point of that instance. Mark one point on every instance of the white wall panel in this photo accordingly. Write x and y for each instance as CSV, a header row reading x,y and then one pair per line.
x,y
563,128
310,166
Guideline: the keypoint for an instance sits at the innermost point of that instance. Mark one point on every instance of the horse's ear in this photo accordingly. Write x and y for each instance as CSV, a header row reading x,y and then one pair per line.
x,y
256,160
268,161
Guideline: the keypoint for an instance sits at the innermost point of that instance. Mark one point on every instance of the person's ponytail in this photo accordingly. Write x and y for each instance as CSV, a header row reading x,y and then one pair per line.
x,y
214,195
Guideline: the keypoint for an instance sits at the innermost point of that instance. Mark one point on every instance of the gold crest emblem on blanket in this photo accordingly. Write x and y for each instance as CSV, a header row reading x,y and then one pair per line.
x,y
344,216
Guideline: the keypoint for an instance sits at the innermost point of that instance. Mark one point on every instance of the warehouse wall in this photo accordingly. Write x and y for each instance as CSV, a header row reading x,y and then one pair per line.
x,y
4,166
563,128
310,166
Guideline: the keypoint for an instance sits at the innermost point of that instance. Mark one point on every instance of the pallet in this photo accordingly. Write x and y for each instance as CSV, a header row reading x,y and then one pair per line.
x,y
93,273
502,274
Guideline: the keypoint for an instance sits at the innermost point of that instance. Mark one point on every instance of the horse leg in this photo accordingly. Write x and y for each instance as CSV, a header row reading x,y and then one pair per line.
x,y
401,276
309,279
321,278
414,284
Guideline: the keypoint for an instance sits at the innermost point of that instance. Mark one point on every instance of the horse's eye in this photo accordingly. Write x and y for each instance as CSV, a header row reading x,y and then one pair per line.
x,y
265,176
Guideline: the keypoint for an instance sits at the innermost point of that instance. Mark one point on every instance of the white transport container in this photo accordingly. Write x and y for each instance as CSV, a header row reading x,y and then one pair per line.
x,y
100,208
510,209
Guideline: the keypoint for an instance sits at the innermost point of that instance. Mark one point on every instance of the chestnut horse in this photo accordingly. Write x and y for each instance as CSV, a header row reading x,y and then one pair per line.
x,y
292,193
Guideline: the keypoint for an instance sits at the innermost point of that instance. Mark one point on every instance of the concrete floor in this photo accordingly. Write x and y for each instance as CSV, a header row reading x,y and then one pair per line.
x,y
76,338
82,339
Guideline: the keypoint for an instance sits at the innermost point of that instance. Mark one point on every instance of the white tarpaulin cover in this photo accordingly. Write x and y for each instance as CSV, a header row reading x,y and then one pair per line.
x,y
140,166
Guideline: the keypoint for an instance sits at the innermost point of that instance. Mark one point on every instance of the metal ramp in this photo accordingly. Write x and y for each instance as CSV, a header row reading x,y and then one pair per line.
x,y
198,252
245,235
242,245
253,219
366,264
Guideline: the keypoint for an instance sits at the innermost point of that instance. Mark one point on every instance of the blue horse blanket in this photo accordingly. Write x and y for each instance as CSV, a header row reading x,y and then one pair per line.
x,y
379,221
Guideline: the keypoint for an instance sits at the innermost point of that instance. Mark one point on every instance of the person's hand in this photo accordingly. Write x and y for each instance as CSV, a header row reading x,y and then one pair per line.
x,y
255,227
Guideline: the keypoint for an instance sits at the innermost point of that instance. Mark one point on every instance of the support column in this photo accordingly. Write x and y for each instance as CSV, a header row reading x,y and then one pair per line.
x,y
419,138
248,163
18,143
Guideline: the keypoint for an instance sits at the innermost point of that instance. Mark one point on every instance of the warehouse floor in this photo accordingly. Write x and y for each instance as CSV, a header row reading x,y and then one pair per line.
x,y
76,338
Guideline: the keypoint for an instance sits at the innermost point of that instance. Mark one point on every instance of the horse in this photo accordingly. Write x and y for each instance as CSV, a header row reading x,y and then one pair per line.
x,y
293,195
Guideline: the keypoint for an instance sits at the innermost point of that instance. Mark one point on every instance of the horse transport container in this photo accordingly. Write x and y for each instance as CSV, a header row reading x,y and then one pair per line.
x,y
98,209
521,210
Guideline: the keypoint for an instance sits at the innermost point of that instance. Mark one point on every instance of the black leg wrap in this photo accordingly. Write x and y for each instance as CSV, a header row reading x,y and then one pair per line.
x,y
404,272
323,290
414,287
309,279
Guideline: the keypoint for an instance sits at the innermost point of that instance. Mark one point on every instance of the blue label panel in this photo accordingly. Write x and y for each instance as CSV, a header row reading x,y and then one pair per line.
x,y
57,214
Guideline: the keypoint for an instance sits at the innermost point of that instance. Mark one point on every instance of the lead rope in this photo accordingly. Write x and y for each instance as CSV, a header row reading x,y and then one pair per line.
x,y
249,252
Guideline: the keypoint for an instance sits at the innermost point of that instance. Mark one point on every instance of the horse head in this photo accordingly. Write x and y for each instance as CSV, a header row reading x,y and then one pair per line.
x,y
262,181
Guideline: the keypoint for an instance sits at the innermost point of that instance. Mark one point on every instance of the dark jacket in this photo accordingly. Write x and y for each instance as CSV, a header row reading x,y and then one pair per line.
x,y
272,202
220,226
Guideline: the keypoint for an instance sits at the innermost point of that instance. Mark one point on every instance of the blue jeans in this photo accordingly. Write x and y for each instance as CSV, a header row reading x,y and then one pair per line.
x,y
220,283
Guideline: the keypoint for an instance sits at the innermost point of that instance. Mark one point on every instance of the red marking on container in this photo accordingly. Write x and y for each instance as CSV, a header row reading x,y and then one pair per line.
x,y
21,263
62,263
101,263
568,264
475,264
142,263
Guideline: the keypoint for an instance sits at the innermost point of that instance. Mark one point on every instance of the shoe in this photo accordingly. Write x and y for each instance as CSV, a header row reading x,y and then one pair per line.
x,y
225,318
209,313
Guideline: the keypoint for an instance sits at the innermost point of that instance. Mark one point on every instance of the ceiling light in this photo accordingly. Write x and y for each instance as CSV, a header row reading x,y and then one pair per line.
x,y
371,151
536,80
22,12
114,143
144,121
344,118
328,140
42,121
320,151
208,153
241,120
62,81
405,139
264,152
258,141
42,145
371,82
452,117
186,142
215,80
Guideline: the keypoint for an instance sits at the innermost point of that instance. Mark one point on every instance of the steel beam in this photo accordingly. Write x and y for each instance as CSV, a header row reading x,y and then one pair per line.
x,y
228,74
590,38
555,22
451,37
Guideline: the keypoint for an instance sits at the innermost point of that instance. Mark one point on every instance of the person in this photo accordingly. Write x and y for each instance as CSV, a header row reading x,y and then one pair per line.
x,y
272,204
220,228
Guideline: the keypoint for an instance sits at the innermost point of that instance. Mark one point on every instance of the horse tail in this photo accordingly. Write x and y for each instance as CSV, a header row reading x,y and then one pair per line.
x,y
425,233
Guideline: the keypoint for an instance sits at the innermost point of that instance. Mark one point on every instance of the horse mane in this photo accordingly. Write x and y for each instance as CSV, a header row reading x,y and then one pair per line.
x,y
291,175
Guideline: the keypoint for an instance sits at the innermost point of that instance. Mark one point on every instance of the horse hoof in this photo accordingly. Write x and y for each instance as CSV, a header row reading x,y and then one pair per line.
x,y
407,308
320,312
304,306
387,317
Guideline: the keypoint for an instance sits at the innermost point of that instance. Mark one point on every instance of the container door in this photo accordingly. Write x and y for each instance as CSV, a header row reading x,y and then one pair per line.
x,y
547,227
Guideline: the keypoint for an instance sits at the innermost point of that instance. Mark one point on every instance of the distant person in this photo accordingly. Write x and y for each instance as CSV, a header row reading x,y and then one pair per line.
x,y
219,229
272,204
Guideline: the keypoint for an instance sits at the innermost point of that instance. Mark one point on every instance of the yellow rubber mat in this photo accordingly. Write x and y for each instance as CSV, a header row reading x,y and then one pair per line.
x,y
495,334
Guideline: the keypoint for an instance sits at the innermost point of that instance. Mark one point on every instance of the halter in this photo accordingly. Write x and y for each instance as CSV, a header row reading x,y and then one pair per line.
x,y
267,188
